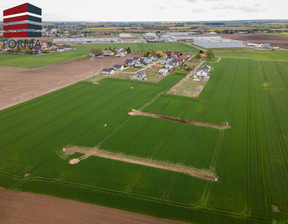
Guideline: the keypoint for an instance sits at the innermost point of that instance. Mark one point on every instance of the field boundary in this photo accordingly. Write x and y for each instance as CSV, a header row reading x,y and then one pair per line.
x,y
181,120
174,167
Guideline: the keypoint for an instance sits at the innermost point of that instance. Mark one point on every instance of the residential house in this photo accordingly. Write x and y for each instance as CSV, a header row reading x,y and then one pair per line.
x,y
188,55
169,66
203,72
154,57
175,63
178,53
174,55
168,53
148,60
118,67
163,71
135,60
164,55
68,48
139,64
165,60
108,71
181,58
206,68
140,75
203,55
120,52
108,53
60,49
128,62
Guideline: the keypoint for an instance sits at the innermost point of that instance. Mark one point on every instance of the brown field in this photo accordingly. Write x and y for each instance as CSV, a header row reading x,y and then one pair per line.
x,y
19,84
27,208
275,41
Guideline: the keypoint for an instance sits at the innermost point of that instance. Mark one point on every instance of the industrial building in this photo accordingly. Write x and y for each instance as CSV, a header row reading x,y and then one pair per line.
x,y
86,40
217,42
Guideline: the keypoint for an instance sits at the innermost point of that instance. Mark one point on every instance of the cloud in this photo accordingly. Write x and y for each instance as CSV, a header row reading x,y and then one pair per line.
x,y
191,1
161,7
244,9
198,10
213,0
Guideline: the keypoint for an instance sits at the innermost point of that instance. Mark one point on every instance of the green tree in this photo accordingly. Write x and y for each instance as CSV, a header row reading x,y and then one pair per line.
x,y
148,53
128,50
210,54
197,56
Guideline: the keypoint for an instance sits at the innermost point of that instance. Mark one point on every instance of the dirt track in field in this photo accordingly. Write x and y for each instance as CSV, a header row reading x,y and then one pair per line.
x,y
18,85
177,119
27,208
201,174
274,41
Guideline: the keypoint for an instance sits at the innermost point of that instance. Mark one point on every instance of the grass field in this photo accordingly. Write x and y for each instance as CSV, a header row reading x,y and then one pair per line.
x,y
278,55
81,52
250,159
277,34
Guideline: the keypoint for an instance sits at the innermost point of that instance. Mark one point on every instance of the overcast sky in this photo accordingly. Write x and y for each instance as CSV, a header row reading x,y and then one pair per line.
x,y
155,10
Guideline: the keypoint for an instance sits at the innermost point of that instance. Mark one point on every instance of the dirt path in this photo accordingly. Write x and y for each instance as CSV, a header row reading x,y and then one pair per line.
x,y
177,119
202,174
28,208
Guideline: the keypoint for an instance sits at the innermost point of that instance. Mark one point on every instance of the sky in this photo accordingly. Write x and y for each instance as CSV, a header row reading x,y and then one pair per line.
x,y
155,10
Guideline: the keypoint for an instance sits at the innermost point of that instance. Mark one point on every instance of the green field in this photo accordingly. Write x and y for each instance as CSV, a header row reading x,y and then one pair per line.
x,y
81,52
277,55
277,34
250,159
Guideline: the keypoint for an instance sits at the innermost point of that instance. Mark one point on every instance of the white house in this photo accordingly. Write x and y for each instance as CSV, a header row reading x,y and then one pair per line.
x,y
140,75
118,67
108,53
120,52
163,71
108,71
148,60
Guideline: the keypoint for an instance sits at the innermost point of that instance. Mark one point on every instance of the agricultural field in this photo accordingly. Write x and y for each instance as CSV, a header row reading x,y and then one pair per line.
x,y
283,34
277,55
81,52
249,159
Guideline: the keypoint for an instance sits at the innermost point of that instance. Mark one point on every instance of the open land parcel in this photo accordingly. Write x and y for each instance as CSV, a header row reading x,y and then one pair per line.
x,y
250,159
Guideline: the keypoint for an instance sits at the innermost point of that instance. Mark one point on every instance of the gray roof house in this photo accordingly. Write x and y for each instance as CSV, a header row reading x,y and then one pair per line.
x,y
206,68
129,62
148,60
118,67
108,71
135,60
140,75
139,64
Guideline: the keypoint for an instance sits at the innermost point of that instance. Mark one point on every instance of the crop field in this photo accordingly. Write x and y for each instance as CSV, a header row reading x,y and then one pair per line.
x,y
283,34
250,159
277,55
81,52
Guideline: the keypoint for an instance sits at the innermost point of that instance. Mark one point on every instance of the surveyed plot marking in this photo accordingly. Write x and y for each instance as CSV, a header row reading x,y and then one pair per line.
x,y
181,120
179,168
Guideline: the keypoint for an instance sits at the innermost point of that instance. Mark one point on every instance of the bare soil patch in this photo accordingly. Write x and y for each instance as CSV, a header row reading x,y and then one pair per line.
x,y
274,41
19,85
276,208
28,208
177,119
179,168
